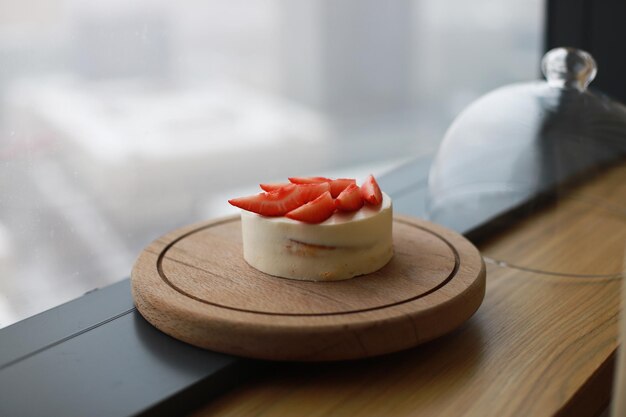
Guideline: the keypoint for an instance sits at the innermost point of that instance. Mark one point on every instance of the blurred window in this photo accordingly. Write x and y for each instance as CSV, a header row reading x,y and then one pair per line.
x,y
121,120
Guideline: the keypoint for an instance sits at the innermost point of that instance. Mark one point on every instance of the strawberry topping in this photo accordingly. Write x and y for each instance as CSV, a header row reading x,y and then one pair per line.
x,y
273,186
282,200
274,203
308,180
311,199
315,211
336,186
370,191
309,192
349,199
340,184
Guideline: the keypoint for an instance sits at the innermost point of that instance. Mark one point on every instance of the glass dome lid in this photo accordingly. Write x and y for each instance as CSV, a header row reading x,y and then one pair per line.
x,y
525,140
535,174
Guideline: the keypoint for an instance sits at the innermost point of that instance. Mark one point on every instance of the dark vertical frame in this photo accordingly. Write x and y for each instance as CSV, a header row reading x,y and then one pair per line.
x,y
597,26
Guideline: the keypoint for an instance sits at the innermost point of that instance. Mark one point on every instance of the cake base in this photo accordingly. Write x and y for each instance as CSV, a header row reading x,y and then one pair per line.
x,y
194,285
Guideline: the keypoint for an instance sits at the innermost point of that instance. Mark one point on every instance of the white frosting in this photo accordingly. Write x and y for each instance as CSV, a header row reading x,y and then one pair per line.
x,y
344,246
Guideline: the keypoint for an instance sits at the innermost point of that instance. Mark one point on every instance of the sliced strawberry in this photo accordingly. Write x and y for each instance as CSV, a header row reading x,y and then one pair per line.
x,y
340,184
315,211
309,192
308,180
274,186
274,203
349,199
281,200
370,191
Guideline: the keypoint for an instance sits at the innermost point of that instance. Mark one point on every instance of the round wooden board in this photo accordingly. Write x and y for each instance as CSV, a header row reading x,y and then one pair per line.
x,y
194,285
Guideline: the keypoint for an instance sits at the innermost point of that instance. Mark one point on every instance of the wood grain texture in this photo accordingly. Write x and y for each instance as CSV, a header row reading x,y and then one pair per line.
x,y
195,285
542,343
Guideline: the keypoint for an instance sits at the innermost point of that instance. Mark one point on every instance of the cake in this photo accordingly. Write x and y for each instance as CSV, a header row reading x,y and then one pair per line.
x,y
317,229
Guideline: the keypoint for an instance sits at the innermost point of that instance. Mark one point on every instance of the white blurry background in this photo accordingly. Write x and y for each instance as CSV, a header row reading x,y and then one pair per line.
x,y
120,120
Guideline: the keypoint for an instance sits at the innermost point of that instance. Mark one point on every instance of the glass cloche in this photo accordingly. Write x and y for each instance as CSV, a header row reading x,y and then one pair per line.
x,y
546,157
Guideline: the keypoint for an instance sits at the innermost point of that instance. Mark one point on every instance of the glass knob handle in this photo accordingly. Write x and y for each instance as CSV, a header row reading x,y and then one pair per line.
x,y
568,68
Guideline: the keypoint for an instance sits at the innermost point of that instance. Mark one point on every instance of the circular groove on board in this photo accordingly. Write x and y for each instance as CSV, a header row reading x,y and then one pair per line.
x,y
352,292
443,286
